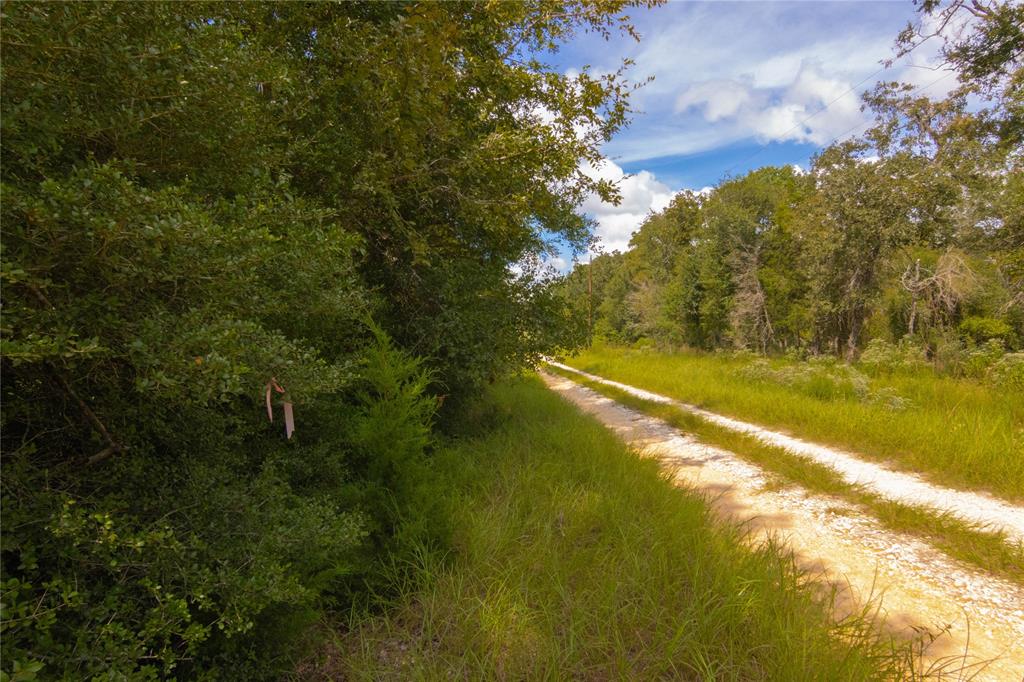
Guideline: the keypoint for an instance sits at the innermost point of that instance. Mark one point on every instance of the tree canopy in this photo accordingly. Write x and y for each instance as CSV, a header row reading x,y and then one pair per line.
x,y
912,231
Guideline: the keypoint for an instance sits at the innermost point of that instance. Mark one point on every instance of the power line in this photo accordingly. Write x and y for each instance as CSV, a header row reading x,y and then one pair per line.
x,y
825,108
915,90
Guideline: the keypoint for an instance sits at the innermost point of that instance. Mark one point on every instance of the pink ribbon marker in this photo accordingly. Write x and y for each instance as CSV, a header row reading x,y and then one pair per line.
x,y
289,420
289,416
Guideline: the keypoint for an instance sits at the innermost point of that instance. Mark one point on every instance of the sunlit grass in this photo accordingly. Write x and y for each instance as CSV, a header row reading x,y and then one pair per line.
x,y
958,432
575,559
986,549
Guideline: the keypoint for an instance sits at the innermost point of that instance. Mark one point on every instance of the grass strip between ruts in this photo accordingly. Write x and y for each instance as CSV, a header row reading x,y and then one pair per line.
x,y
986,549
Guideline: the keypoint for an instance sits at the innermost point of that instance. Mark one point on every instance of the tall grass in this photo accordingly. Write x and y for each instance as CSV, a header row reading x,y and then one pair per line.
x,y
574,559
957,432
987,549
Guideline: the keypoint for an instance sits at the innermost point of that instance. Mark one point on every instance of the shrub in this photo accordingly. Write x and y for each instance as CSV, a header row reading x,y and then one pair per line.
x,y
882,356
200,200
644,343
983,329
949,354
976,361
824,378
214,531
1007,372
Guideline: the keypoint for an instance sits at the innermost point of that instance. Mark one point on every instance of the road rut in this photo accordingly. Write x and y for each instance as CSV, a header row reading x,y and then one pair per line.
x,y
898,486
977,620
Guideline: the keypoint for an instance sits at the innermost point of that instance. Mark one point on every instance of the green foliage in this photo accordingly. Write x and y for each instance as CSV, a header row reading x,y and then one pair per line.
x,y
1008,372
239,534
773,262
204,200
823,379
882,357
579,560
721,270
912,230
983,329
976,361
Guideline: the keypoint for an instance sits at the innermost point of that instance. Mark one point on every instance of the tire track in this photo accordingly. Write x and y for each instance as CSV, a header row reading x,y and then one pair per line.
x,y
898,486
976,620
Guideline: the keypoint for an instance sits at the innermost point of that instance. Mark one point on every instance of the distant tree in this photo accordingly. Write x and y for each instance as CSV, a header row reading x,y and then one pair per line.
x,y
962,156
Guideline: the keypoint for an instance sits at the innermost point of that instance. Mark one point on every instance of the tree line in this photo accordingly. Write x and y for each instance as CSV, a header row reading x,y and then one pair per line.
x,y
912,233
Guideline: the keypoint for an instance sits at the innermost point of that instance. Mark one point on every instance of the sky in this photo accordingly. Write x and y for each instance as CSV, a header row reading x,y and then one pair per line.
x,y
737,86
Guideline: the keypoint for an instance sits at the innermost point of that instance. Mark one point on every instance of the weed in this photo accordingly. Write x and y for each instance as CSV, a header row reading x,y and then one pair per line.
x,y
988,549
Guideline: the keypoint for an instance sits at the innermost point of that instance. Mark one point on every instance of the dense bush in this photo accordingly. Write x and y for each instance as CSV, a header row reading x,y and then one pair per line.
x,y
1008,372
203,203
982,329
210,528
976,361
823,378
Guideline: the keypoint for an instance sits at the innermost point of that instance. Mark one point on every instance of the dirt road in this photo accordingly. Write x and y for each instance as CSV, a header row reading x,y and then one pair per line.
x,y
977,620
898,486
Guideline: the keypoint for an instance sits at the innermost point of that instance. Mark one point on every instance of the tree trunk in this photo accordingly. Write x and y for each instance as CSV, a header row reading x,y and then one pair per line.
x,y
851,341
913,293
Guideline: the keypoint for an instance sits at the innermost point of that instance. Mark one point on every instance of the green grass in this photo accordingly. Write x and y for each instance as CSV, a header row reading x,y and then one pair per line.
x,y
986,549
956,432
575,559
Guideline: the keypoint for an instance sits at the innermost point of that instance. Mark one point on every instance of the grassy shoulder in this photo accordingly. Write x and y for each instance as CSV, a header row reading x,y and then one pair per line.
x,y
575,559
954,431
991,551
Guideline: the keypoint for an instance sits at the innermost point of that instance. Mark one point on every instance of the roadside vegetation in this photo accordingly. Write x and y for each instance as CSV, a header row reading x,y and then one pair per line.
x,y
218,213
986,549
882,287
258,260
576,559
956,431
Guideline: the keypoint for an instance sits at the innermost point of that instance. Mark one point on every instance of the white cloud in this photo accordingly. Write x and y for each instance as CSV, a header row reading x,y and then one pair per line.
x,y
661,138
641,194
718,99
810,108
558,263
726,72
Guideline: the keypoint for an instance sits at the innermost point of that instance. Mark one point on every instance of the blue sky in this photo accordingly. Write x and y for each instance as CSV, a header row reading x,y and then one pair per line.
x,y
737,86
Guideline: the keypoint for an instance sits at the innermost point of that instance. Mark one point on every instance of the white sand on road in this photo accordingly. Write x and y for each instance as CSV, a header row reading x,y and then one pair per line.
x,y
914,585
898,486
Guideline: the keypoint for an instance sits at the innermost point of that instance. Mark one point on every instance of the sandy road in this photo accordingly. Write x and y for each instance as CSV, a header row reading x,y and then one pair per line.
x,y
899,486
977,619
